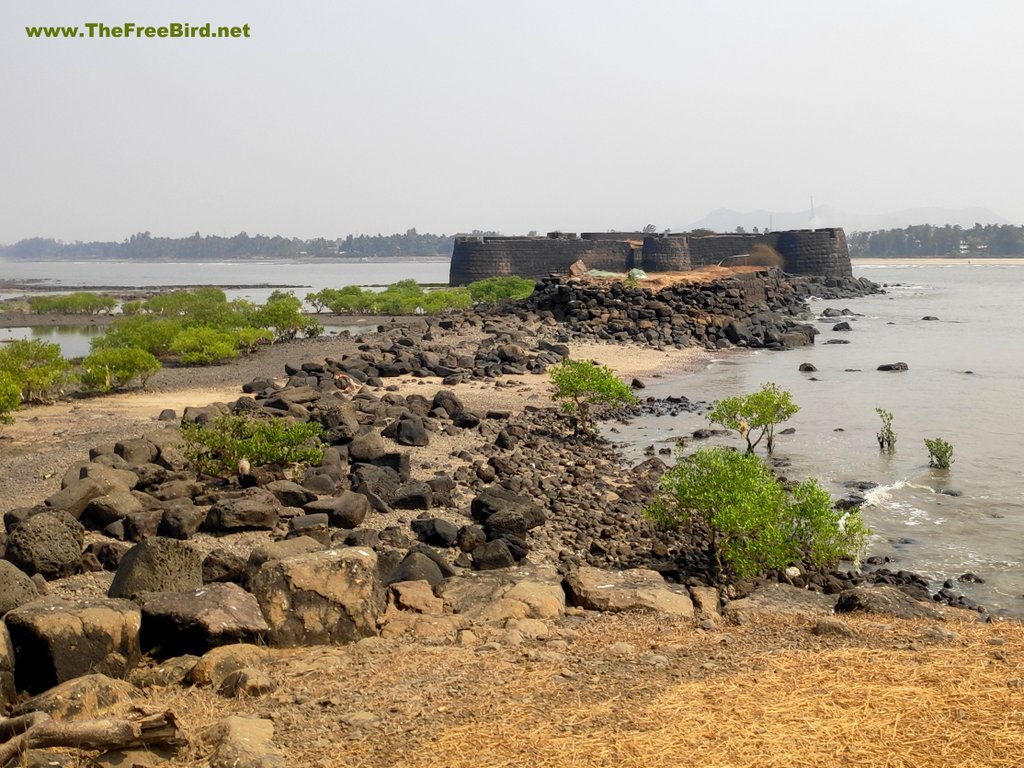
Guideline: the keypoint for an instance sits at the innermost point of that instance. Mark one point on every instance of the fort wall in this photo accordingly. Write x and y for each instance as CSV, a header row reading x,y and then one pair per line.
x,y
822,252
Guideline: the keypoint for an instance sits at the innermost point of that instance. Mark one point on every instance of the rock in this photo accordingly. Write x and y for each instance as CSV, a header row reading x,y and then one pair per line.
x,y
195,621
181,519
492,555
141,525
49,544
74,498
830,626
501,511
279,550
367,448
246,682
894,367
773,600
447,400
56,640
416,566
8,690
346,510
157,565
290,494
434,530
222,566
886,600
137,451
325,597
929,317
82,698
213,667
843,326
465,419
417,596
413,495
629,590
807,368
244,742
169,673
706,600
470,537
409,431
254,509
110,478
103,510
16,588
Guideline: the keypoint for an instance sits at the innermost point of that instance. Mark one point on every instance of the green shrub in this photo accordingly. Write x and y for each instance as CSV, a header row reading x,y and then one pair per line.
x,y
581,385
282,314
129,308
37,367
750,522
312,329
79,303
108,369
10,396
756,415
201,345
446,300
248,340
940,453
216,449
152,333
494,290
886,436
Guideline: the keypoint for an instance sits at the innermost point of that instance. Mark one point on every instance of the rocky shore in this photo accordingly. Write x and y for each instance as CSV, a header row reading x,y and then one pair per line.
x,y
453,519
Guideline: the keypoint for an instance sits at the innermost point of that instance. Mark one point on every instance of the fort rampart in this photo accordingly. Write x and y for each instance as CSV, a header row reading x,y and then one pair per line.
x,y
802,252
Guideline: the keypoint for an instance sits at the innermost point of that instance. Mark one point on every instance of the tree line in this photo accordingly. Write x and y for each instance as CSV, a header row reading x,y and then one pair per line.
x,y
927,240
145,247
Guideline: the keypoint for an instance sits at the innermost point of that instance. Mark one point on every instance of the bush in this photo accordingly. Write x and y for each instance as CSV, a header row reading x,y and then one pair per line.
x,y
10,396
109,369
204,346
248,340
750,522
216,449
495,290
582,385
886,436
37,367
282,314
79,303
756,415
151,333
940,453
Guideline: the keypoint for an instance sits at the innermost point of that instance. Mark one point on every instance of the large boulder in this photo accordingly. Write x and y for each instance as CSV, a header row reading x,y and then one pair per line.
x,y
774,600
83,698
195,621
56,640
636,589
252,509
244,742
111,507
334,596
49,544
290,494
887,600
8,690
157,565
74,498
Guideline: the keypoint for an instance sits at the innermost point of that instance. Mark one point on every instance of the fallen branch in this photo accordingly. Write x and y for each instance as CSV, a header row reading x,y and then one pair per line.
x,y
100,735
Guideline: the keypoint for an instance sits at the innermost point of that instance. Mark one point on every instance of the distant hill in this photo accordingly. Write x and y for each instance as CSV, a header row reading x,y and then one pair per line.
x,y
726,220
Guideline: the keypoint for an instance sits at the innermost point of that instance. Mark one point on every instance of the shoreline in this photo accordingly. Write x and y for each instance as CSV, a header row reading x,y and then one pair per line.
x,y
938,261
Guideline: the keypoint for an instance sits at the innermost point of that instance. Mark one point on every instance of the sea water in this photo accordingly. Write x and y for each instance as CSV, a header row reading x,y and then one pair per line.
x,y
964,384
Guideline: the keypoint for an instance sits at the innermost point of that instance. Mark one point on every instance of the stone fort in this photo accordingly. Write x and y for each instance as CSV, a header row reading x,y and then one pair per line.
x,y
802,252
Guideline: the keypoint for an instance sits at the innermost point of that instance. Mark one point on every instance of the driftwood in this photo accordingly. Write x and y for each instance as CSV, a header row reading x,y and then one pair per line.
x,y
40,730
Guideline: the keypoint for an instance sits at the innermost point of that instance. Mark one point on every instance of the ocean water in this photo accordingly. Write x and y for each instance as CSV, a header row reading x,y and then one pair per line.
x,y
964,384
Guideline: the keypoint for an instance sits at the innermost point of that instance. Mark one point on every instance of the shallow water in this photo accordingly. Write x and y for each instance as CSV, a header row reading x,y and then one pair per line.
x,y
964,382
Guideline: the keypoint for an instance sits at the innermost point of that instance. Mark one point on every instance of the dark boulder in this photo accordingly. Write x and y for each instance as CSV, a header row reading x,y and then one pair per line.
x,y
49,544
157,565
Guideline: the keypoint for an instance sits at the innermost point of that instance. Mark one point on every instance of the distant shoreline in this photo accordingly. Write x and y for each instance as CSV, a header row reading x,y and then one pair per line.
x,y
937,261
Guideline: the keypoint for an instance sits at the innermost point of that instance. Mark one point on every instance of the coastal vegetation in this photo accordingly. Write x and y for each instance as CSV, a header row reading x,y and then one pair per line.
x,y
217,448
756,415
751,523
581,386
10,396
940,453
37,368
77,303
926,240
107,370
407,297
886,436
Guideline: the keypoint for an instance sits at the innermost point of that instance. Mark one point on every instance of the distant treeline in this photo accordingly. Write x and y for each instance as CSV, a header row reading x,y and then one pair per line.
x,y
144,246
926,240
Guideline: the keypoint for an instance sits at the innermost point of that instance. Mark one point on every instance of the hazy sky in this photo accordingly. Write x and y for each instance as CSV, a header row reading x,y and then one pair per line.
x,y
340,117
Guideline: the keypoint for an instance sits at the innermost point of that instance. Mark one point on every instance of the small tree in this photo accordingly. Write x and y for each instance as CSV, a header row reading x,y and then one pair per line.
x,y
940,453
886,436
108,369
756,415
580,385
38,367
750,522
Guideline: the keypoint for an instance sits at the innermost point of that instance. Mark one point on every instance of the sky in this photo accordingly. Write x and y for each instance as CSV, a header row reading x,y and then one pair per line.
x,y
338,117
